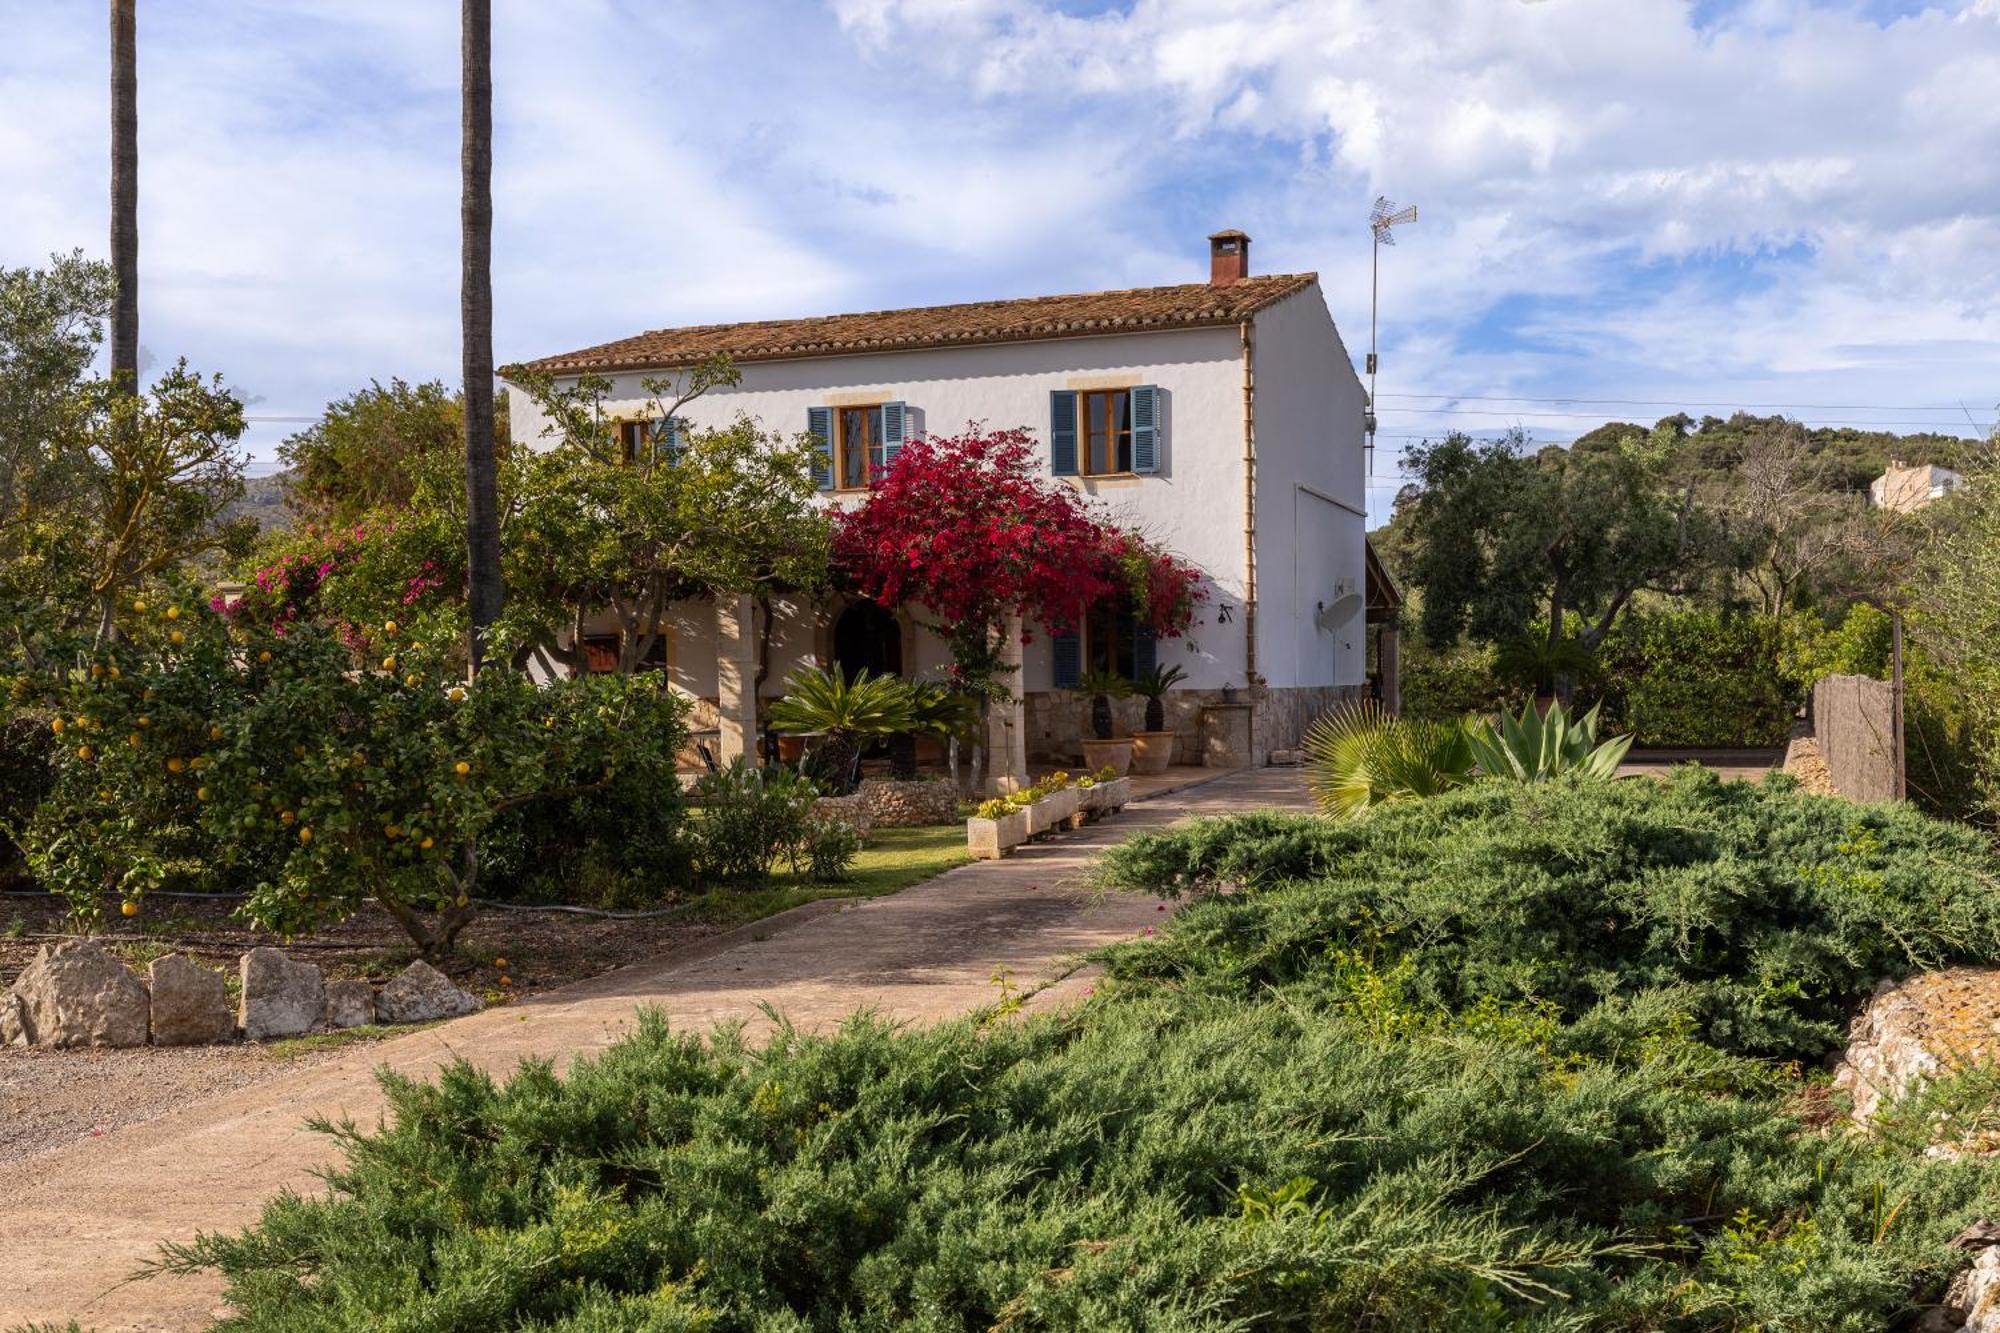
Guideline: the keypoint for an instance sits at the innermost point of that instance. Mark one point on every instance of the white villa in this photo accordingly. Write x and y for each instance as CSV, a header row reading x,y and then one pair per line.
x,y
1221,418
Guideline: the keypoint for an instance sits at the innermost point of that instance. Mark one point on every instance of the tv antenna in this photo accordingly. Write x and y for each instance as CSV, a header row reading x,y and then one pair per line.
x,y
1381,219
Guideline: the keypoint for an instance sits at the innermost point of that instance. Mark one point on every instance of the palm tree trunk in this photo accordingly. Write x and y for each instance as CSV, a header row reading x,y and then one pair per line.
x,y
475,305
125,196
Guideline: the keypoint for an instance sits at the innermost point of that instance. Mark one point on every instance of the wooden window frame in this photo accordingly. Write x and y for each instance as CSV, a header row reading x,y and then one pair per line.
x,y
1085,440
839,450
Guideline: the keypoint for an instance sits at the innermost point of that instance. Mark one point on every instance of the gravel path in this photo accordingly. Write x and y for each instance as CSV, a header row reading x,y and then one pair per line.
x,y
49,1098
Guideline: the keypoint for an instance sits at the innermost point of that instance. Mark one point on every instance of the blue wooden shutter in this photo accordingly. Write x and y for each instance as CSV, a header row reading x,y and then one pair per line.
x,y
1145,648
895,425
669,438
1068,658
1062,432
819,423
1146,428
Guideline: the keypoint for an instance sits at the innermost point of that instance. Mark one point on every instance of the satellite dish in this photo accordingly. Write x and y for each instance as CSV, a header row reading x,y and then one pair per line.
x,y
1328,617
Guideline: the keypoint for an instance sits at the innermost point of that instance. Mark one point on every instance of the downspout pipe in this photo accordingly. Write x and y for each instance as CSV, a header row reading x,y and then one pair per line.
x,y
1250,677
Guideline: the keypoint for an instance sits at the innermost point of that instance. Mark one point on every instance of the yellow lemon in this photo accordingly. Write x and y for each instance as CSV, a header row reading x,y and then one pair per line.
x,y
506,980
389,662
201,793
215,733
305,835
129,908
425,844
457,694
173,613
499,962
57,726
144,722
115,673
139,605
264,656
197,763
392,831
388,627
85,753
461,768
411,680
133,739
177,638
96,670
176,764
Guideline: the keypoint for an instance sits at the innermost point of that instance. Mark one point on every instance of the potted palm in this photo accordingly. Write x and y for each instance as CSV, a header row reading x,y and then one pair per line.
x,y
1153,748
1103,748
839,717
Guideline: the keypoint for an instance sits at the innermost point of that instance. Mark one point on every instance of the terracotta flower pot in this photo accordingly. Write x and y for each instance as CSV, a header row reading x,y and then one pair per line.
x,y
791,749
1152,751
1113,754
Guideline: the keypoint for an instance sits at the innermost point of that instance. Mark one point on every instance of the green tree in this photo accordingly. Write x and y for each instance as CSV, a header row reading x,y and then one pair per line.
x,y
1498,536
361,455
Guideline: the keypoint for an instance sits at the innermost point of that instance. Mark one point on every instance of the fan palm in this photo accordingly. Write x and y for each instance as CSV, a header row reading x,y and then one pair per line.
x,y
1361,756
1530,660
1532,748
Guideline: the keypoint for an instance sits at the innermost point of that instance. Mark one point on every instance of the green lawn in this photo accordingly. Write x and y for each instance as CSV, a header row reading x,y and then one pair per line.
x,y
894,858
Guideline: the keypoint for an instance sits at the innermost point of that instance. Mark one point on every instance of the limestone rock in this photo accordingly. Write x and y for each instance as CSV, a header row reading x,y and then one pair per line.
x,y
422,994
13,1019
349,1004
1971,1304
851,810
902,804
281,998
190,1003
1917,1030
77,994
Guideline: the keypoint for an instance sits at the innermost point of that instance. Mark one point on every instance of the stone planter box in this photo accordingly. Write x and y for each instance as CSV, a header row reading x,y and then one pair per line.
x,y
1052,811
991,839
1152,751
1115,755
1113,795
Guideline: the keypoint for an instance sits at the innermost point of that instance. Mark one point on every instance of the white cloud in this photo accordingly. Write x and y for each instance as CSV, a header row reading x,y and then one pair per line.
x,y
1780,202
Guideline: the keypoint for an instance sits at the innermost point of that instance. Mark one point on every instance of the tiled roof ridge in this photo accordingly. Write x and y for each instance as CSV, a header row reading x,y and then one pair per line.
x,y
1013,319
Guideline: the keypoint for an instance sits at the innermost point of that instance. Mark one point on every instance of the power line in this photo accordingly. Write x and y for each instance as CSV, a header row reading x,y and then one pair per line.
x,y
1955,409
1598,416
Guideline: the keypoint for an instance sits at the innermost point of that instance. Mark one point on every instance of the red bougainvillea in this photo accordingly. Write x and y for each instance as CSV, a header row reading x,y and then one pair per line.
x,y
970,527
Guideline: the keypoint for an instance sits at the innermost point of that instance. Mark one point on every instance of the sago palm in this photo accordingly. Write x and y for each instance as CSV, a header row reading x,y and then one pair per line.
x,y
844,712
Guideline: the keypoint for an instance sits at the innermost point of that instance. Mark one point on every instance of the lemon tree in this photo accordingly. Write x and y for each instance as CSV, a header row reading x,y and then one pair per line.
x,y
317,778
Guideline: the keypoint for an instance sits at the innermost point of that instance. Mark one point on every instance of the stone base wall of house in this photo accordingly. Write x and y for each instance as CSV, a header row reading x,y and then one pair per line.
x,y
1208,731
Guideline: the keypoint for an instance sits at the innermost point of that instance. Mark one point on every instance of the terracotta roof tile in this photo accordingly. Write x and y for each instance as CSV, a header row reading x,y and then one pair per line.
x,y
1190,305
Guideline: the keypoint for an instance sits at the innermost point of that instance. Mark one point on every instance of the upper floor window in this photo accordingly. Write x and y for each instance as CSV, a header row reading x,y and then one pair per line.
x,y
1106,444
1104,432
642,440
856,444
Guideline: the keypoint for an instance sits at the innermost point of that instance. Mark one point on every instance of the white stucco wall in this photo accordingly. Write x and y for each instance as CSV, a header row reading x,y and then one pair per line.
x,y
1311,498
1308,428
1194,504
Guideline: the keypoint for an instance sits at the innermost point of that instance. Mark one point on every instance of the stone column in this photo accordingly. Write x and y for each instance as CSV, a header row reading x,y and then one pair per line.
x,y
1007,724
736,676
1387,658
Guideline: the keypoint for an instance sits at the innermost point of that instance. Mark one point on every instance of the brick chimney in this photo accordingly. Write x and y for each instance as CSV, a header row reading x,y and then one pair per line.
x,y
1228,258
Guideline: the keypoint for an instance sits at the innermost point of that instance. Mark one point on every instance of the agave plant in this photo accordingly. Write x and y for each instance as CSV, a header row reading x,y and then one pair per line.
x,y
844,713
1361,756
1102,687
1153,685
1533,748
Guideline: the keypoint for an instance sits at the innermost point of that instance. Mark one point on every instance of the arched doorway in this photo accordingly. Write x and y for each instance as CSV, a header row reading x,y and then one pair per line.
x,y
867,637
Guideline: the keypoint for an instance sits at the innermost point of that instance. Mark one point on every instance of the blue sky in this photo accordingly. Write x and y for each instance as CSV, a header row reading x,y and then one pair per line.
x,y
1669,204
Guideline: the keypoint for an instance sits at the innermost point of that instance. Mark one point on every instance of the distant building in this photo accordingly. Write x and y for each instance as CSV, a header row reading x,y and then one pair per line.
x,y
1906,489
